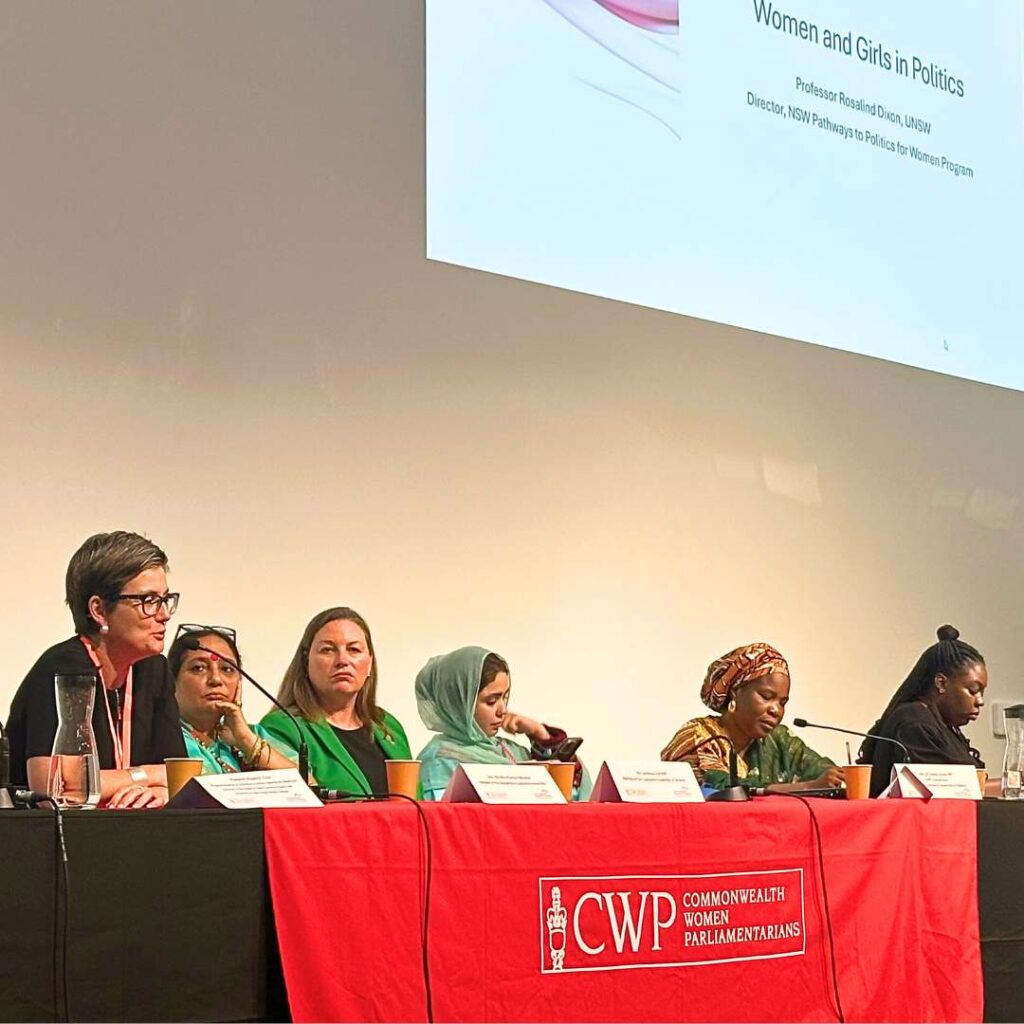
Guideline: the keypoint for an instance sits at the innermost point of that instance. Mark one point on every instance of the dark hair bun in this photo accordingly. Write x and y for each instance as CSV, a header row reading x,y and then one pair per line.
x,y
945,633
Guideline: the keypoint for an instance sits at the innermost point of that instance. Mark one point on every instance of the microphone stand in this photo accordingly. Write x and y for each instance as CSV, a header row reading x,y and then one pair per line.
x,y
734,791
303,751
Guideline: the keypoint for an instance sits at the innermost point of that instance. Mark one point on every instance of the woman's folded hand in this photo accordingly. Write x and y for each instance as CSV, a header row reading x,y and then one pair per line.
x,y
136,797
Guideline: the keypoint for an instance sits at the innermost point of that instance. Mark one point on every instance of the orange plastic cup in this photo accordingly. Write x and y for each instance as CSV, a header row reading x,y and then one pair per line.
x,y
403,777
562,772
857,778
982,779
179,771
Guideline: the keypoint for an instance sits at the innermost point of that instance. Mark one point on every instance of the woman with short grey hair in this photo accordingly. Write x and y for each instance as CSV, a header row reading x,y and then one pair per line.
x,y
116,588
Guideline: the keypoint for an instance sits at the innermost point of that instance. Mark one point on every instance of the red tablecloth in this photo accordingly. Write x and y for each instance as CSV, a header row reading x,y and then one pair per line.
x,y
731,927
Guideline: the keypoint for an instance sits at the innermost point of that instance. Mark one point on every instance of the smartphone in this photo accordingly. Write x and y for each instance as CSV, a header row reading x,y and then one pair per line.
x,y
567,748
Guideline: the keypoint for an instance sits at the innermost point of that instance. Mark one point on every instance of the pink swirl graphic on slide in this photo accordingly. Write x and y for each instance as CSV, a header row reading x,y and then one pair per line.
x,y
643,35
655,15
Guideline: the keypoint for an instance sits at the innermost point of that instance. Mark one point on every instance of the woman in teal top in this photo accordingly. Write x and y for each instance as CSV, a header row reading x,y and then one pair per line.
x,y
331,688
463,696
208,691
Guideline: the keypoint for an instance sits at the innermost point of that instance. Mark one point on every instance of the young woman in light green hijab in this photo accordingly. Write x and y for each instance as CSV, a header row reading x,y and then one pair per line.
x,y
463,697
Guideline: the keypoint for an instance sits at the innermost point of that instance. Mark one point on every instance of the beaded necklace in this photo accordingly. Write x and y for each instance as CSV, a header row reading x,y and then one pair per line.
x,y
210,745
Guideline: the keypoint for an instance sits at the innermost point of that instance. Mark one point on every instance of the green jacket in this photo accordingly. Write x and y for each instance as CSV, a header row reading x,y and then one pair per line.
x,y
329,761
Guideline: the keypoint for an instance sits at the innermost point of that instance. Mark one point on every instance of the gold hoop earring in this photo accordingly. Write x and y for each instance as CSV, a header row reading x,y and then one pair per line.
x,y
732,706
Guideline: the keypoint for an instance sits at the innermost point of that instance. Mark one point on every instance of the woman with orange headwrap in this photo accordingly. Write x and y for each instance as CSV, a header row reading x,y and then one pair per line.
x,y
749,688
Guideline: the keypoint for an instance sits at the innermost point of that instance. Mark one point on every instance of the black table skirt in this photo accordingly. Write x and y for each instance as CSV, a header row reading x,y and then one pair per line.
x,y
1001,907
170,917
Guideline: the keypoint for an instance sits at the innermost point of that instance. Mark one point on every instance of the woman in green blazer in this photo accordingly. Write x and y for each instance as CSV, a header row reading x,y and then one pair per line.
x,y
331,688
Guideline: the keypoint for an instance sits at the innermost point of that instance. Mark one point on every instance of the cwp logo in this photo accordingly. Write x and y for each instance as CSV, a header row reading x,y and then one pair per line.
x,y
607,923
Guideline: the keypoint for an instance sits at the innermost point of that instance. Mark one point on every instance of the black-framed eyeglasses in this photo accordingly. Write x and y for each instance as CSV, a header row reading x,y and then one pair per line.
x,y
149,604
194,627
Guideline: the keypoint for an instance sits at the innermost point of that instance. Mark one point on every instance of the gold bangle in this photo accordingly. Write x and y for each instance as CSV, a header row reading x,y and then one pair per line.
x,y
257,750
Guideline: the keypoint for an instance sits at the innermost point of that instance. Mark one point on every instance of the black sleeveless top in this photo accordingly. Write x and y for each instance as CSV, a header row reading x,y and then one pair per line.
x,y
369,758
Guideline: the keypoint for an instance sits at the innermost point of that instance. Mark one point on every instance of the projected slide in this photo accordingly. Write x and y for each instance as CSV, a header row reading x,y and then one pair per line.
x,y
845,174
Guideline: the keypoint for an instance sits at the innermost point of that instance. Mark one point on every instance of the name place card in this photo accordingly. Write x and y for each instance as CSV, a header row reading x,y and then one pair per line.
x,y
646,782
933,782
280,787
502,784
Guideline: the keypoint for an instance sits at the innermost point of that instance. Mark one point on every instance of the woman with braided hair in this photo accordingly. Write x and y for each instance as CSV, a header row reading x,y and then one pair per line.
x,y
944,692
749,690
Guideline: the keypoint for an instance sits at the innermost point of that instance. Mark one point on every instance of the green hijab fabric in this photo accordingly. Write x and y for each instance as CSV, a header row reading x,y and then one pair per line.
x,y
446,693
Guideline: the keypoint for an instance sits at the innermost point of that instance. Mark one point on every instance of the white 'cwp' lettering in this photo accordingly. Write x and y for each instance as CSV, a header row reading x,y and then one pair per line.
x,y
580,941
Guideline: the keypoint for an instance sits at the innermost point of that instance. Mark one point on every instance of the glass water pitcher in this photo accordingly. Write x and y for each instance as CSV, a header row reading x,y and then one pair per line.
x,y
1013,758
73,779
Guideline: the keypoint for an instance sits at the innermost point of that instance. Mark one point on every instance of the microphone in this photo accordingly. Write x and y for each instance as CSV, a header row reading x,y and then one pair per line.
x,y
734,791
341,795
31,797
803,723
192,644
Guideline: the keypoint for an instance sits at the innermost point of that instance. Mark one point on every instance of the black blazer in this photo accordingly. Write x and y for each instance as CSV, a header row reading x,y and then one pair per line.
x,y
32,725
927,738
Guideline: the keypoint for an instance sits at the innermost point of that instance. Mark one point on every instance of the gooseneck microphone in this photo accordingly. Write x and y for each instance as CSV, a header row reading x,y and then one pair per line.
x,y
30,797
802,723
734,791
192,644
334,796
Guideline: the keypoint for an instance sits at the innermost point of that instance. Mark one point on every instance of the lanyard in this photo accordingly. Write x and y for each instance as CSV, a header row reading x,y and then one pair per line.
x,y
123,742
504,749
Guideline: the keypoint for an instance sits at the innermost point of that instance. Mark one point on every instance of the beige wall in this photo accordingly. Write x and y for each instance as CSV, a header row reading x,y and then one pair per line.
x,y
217,326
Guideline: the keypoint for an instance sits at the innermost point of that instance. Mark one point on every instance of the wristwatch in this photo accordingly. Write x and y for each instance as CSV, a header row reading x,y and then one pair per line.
x,y
139,776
